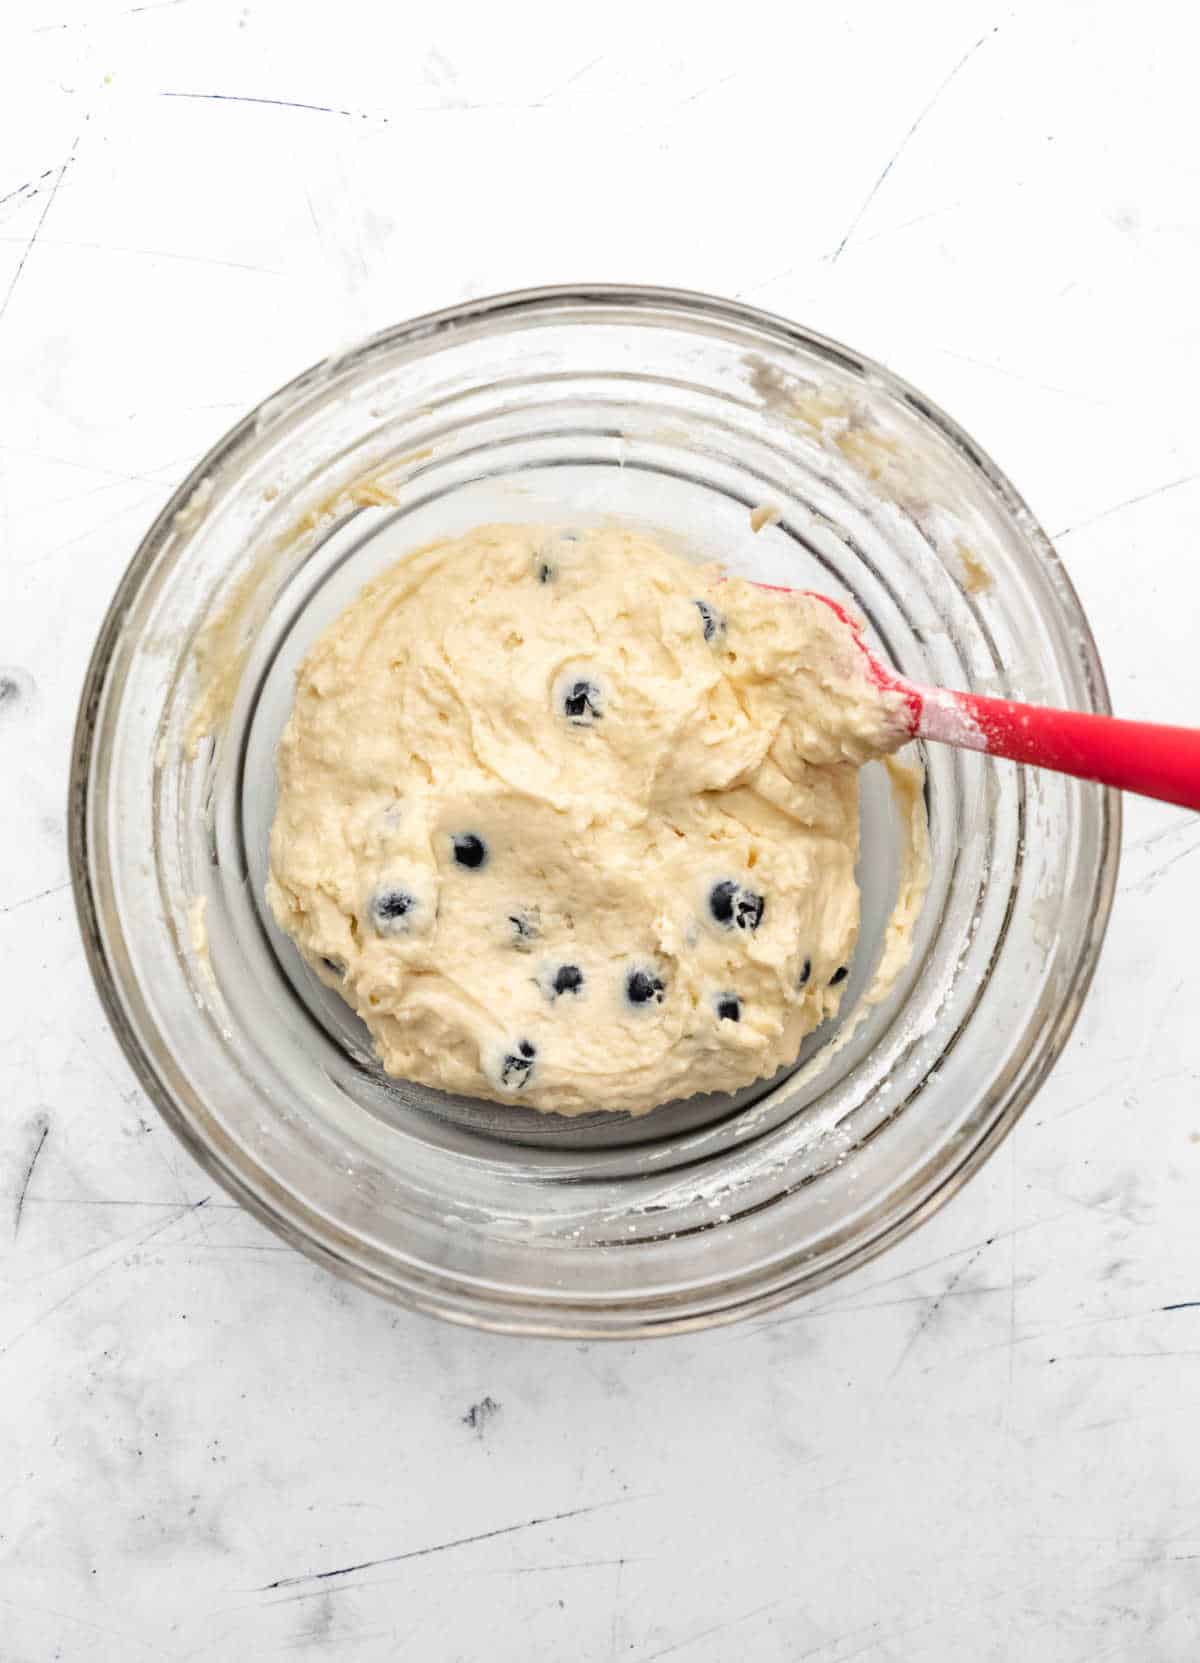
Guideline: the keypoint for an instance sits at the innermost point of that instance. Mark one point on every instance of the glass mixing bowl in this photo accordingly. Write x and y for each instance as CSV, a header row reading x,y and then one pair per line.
x,y
683,414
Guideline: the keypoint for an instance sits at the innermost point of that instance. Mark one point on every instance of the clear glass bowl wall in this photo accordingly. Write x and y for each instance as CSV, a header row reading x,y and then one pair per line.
x,y
682,414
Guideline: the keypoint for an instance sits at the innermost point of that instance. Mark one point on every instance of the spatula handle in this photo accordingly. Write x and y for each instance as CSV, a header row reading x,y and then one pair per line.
x,y
1145,757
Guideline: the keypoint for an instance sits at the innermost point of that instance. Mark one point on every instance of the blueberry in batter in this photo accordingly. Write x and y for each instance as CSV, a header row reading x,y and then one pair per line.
x,y
469,850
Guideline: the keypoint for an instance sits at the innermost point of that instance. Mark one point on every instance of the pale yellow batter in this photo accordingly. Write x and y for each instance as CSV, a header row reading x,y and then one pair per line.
x,y
572,823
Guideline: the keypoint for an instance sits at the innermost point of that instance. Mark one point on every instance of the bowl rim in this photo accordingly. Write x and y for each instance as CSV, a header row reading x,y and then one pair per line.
x,y
549,1319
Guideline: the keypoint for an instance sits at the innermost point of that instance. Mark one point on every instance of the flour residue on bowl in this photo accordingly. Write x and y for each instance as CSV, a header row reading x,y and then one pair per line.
x,y
849,427
977,578
224,643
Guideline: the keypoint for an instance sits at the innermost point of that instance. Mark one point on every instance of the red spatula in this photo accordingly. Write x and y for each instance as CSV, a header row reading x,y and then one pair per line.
x,y
1145,757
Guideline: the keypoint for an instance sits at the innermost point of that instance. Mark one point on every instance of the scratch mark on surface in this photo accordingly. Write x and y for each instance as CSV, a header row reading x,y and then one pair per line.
x,y
29,189
707,1633
616,1612
1182,823
126,508
312,214
443,1547
935,1307
37,510
1130,502
107,1201
16,276
1143,886
907,224
1047,1332
703,92
140,1241
111,1246
108,17
842,1305
907,140
859,1651
568,1565
80,1622
1106,1090
765,282
276,103
836,1640
1012,1286
28,900
79,467
1166,1355
557,91
1015,375
164,254
948,1292
657,122
43,1124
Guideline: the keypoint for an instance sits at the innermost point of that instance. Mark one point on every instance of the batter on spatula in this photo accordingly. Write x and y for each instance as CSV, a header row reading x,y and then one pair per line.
x,y
572,823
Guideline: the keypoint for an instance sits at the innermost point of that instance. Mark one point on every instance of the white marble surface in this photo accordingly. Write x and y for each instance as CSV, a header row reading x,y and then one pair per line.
x,y
985,1445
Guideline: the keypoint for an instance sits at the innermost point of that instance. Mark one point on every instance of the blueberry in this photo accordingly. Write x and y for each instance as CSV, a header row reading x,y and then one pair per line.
x,y
556,979
730,904
712,620
643,986
544,567
749,910
393,903
518,1065
839,975
582,703
805,973
392,910
469,850
527,927
721,898
729,1007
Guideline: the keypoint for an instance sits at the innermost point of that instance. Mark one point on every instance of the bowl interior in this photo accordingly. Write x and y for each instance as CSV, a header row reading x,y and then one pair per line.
x,y
679,415
704,523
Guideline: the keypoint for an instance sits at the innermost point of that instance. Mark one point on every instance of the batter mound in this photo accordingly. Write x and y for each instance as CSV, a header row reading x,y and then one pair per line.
x,y
572,823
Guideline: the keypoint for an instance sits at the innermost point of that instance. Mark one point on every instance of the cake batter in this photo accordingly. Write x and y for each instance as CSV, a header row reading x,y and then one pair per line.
x,y
572,823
